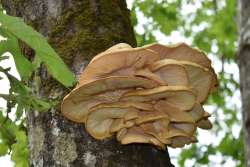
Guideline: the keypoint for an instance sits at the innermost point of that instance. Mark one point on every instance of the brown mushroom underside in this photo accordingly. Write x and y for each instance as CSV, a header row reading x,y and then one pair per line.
x,y
153,94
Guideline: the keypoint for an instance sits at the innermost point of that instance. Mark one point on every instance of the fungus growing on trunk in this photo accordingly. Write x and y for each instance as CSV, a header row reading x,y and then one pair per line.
x,y
153,94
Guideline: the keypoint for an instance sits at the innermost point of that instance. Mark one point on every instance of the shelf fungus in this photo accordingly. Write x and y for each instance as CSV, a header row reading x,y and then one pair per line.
x,y
152,94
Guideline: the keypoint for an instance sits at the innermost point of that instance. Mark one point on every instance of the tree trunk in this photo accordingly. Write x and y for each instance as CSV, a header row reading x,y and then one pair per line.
x,y
78,30
244,65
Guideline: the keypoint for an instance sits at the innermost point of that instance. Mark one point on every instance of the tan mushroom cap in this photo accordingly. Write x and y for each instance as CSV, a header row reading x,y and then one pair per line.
x,y
188,128
119,60
100,119
174,113
119,124
78,110
184,52
146,73
197,112
199,77
136,134
180,141
204,123
173,134
171,74
111,83
180,96
149,117
76,105
157,128
181,51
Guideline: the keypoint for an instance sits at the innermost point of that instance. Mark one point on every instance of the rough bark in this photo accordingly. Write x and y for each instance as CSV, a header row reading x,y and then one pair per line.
x,y
244,65
78,30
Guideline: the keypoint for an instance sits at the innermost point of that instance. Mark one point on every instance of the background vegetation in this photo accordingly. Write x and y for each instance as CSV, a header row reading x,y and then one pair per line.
x,y
207,24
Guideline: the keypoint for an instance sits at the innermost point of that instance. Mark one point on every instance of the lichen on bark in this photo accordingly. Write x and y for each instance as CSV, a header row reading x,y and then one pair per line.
x,y
36,141
65,149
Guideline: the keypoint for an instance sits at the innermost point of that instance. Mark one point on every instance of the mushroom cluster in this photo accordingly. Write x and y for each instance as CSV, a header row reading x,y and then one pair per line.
x,y
152,94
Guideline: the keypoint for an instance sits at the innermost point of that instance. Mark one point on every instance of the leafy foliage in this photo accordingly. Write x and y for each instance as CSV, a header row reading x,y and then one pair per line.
x,y
15,26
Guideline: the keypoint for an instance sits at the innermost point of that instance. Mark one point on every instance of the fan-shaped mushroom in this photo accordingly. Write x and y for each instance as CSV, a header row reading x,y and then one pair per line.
x,y
152,94
157,128
174,113
184,52
101,118
120,60
204,123
180,96
181,52
76,105
137,135
199,77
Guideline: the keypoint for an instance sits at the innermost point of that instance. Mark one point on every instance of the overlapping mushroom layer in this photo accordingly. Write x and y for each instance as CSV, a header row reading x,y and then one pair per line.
x,y
152,94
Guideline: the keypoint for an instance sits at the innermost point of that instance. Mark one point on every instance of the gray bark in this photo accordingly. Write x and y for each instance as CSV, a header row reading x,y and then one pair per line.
x,y
244,65
78,30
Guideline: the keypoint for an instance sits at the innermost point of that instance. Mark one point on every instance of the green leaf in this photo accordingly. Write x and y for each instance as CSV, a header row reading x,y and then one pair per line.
x,y
3,149
24,67
37,42
40,105
20,151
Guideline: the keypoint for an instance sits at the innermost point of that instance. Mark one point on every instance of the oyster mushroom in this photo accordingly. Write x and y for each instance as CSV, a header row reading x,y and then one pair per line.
x,y
101,118
119,60
174,113
204,123
183,52
180,51
77,103
199,77
153,94
136,134
180,96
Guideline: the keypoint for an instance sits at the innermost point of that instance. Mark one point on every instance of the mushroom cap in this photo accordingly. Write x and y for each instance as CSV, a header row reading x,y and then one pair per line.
x,y
173,75
200,78
119,124
157,128
188,128
180,96
111,83
197,112
180,141
76,104
168,133
181,51
136,134
101,118
204,123
149,117
119,60
146,73
184,52
174,113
